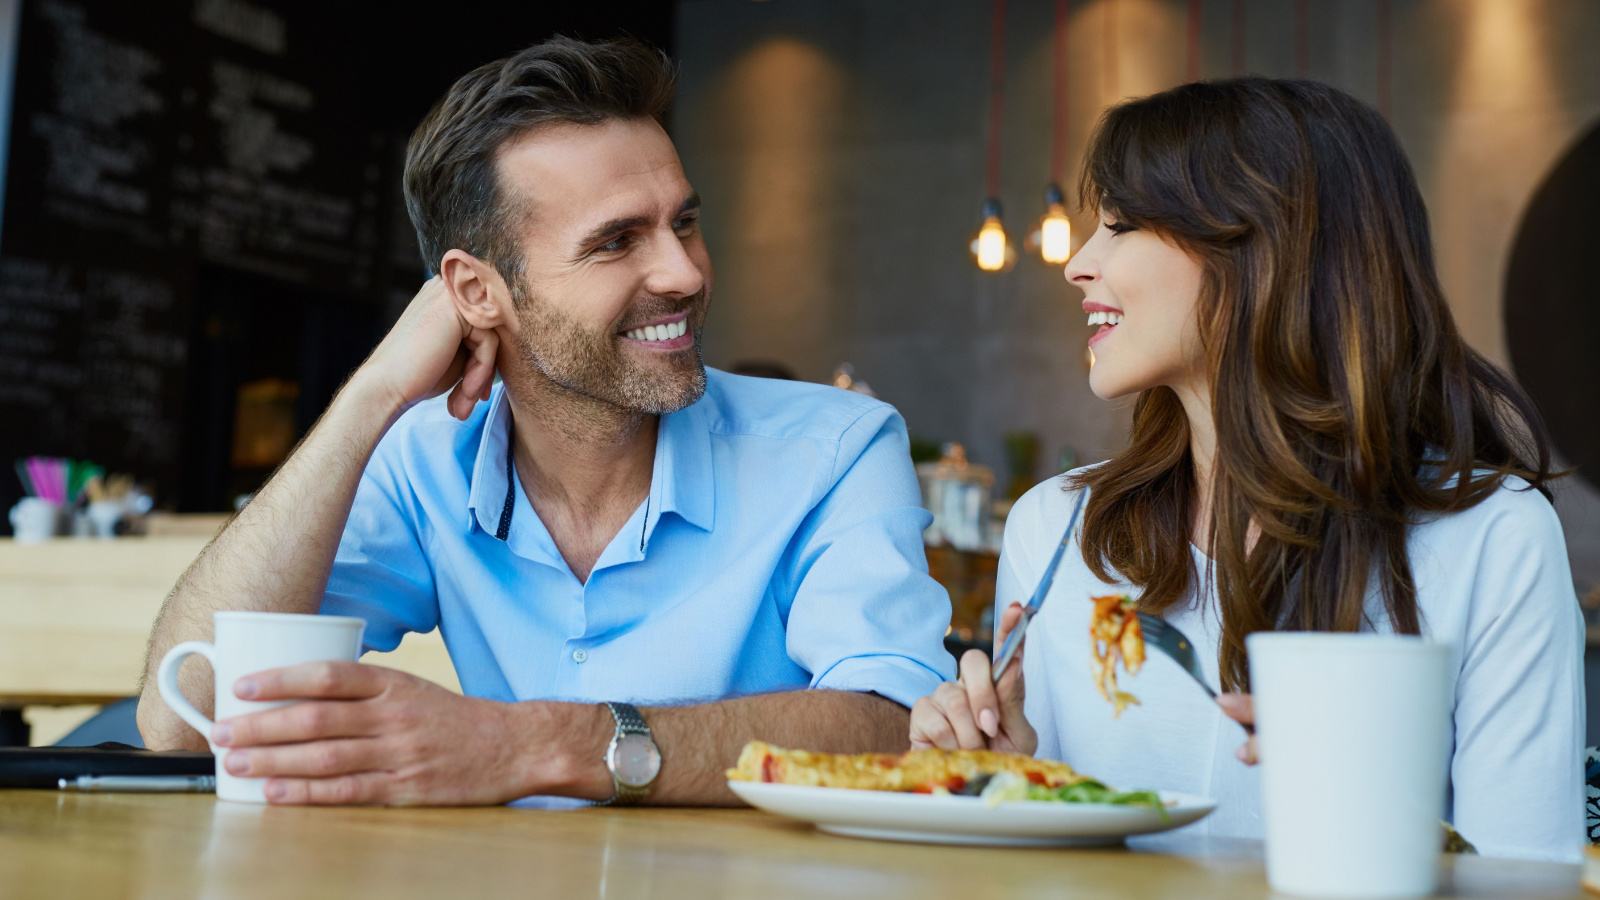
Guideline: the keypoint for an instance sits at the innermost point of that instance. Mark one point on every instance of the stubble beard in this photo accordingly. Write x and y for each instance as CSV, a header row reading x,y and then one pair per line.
x,y
593,365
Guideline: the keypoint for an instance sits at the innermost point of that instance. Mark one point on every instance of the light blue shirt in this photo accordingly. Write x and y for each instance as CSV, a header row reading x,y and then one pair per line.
x,y
780,548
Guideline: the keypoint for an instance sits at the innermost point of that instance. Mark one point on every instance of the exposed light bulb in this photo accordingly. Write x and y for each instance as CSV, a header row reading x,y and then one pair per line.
x,y
1053,237
992,245
991,248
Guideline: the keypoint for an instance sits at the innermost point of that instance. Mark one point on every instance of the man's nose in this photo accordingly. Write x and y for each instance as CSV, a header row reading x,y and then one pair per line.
x,y
673,272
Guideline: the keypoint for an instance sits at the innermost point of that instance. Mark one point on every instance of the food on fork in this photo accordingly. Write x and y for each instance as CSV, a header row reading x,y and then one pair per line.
x,y
1114,633
995,776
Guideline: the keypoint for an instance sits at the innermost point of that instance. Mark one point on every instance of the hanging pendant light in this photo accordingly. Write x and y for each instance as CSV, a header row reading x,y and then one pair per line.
x,y
1052,237
991,248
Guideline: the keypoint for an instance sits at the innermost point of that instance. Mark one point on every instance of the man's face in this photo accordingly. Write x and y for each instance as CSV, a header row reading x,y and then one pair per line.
x,y
616,279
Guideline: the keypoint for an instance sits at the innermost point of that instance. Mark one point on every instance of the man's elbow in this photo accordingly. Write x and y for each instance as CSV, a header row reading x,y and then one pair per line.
x,y
162,730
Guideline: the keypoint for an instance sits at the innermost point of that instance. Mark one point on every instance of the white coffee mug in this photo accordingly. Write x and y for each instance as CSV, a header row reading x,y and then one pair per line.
x,y
35,520
246,643
1354,739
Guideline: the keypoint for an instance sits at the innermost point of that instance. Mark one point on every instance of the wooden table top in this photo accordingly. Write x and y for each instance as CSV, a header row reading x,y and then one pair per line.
x,y
149,845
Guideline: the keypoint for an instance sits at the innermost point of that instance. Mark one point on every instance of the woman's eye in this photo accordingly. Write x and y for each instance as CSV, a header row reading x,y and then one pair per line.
x,y
1119,228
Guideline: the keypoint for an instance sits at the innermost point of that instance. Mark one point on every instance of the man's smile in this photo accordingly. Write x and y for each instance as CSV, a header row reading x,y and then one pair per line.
x,y
670,333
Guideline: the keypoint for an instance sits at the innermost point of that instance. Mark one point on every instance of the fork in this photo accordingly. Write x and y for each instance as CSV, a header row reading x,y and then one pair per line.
x,y
1175,644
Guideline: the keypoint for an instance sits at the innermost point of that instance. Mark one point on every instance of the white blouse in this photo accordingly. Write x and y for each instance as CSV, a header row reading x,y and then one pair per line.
x,y
1492,582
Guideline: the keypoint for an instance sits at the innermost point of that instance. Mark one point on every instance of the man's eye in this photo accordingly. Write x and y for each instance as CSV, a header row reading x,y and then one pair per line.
x,y
615,245
685,227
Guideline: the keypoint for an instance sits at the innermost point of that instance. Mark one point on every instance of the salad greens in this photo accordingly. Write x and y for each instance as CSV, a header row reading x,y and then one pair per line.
x,y
1008,786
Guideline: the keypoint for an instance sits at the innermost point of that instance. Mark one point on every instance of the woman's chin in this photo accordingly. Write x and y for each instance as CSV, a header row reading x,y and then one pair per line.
x,y
1106,385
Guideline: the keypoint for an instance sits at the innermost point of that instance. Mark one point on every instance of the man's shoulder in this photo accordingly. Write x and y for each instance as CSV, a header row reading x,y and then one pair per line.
x,y
427,434
775,408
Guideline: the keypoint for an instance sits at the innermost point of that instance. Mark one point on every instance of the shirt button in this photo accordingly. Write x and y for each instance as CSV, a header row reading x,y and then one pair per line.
x,y
579,655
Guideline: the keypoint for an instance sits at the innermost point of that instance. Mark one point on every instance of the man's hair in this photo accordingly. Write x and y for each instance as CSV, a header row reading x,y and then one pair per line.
x,y
452,193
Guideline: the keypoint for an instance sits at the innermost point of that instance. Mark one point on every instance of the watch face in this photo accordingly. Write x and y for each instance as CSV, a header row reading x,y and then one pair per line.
x,y
635,760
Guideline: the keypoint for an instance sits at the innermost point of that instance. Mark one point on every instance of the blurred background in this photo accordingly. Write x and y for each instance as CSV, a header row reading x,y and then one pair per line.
x,y
203,231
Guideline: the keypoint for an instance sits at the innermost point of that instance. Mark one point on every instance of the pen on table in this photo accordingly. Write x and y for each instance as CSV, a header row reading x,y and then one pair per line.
x,y
141,784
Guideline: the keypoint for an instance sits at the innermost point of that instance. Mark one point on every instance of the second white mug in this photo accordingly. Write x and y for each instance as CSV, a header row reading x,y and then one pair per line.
x,y
245,643
1354,734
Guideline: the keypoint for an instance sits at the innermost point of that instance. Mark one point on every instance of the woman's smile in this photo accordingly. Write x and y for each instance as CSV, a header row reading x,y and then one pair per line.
x,y
1107,317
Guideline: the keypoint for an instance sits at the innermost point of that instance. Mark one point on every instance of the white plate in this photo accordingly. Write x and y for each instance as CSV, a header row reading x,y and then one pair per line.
x,y
945,819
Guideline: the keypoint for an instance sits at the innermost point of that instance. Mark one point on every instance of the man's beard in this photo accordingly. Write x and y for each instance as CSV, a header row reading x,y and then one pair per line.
x,y
594,365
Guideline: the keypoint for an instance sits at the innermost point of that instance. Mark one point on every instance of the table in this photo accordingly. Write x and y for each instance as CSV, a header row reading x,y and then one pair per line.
x,y
77,617
160,846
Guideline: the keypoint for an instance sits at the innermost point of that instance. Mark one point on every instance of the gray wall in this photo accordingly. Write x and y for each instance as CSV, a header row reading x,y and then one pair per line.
x,y
839,146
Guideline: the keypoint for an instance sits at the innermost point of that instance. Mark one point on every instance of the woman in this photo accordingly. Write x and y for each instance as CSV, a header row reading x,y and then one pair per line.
x,y
1313,448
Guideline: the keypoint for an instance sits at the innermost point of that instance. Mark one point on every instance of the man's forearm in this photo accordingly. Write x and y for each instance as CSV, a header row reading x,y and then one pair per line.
x,y
699,743
274,556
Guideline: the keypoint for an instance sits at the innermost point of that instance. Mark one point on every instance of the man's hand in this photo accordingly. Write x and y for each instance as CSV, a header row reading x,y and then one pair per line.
x,y
375,736
432,348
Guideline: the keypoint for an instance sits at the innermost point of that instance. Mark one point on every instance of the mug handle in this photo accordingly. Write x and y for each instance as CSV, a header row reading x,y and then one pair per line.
x,y
167,683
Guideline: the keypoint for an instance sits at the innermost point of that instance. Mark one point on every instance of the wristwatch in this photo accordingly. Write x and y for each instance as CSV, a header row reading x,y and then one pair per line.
x,y
632,757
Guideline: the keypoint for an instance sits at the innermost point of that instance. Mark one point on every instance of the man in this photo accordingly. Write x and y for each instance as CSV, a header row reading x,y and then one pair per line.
x,y
610,524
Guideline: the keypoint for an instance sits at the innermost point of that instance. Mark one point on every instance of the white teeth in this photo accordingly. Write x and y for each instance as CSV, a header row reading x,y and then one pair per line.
x,y
660,332
1105,318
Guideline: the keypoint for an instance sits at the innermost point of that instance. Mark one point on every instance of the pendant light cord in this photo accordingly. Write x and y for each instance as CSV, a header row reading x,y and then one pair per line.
x,y
997,81
1238,39
1385,56
1192,43
1058,134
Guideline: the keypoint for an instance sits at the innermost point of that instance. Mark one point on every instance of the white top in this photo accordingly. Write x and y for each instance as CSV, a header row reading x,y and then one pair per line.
x,y
1492,582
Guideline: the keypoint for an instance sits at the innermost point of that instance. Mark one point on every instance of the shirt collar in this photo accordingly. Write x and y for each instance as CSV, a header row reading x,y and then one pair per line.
x,y
682,481
487,500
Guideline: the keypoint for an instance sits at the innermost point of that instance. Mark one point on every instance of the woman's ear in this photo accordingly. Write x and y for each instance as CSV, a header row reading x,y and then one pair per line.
x,y
479,293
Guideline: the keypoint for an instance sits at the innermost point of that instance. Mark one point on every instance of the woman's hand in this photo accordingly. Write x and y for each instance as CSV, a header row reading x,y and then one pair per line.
x,y
1242,709
973,713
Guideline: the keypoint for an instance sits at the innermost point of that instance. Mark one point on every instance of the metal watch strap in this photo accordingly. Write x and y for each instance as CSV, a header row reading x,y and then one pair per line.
x,y
628,722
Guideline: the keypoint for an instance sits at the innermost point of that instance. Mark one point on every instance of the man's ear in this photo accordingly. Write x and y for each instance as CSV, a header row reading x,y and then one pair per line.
x,y
479,293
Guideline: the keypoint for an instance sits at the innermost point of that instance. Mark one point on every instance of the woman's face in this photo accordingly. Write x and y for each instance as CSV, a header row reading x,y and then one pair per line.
x,y
1140,293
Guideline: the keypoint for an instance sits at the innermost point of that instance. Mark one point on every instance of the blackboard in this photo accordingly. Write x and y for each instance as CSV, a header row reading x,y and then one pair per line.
x,y
148,139
158,146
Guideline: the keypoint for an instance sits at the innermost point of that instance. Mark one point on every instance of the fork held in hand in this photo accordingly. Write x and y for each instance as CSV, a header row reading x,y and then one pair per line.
x,y
1173,643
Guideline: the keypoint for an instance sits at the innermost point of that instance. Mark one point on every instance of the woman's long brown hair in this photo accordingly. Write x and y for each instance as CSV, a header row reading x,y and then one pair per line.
x,y
1347,406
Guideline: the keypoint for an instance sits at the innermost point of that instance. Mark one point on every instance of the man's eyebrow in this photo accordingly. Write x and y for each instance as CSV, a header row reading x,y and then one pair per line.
x,y
612,229
616,226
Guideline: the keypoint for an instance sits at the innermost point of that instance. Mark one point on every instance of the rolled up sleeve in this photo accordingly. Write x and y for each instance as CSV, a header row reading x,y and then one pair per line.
x,y
380,572
866,616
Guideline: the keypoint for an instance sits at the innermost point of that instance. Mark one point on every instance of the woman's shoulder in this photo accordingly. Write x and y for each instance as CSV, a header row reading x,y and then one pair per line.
x,y
1037,519
1503,557
1515,514
1046,506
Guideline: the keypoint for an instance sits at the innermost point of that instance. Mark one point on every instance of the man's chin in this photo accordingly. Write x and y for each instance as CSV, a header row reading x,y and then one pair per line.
x,y
671,395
